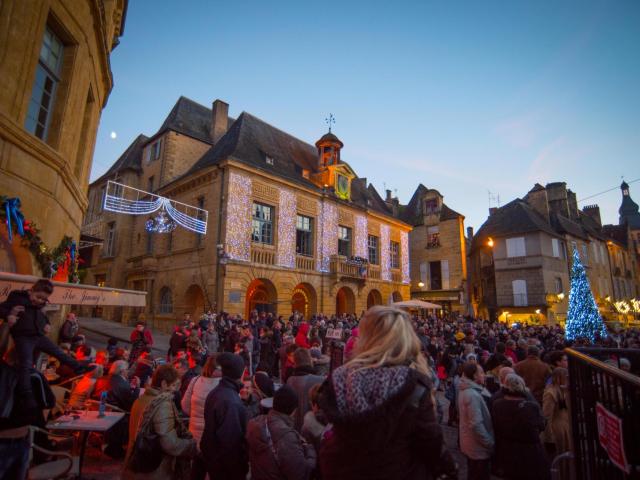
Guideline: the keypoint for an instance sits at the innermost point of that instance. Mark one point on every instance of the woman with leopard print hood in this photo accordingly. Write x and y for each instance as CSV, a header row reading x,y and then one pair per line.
x,y
382,408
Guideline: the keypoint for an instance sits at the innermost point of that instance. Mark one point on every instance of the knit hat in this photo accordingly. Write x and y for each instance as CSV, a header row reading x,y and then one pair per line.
x,y
285,400
231,365
263,384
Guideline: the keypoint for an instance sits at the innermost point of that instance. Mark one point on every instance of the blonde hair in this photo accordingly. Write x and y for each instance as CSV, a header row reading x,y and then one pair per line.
x,y
386,337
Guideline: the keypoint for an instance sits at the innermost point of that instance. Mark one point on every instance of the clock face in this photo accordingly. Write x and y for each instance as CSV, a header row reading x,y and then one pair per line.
x,y
342,187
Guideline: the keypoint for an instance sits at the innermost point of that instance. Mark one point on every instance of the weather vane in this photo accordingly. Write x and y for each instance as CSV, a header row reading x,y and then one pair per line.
x,y
331,119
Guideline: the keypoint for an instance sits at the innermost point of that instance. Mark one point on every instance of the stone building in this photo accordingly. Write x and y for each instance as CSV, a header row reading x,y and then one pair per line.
x,y
520,258
56,79
291,227
437,248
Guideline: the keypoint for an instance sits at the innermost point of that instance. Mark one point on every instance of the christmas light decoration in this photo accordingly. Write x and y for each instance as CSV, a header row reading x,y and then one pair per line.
x,y
287,229
238,234
360,237
404,256
328,244
385,257
583,318
161,223
121,198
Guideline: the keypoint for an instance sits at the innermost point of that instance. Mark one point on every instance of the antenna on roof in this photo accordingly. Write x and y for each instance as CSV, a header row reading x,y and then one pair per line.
x,y
493,198
330,120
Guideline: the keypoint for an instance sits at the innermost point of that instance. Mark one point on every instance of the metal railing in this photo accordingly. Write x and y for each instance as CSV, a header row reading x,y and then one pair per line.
x,y
593,382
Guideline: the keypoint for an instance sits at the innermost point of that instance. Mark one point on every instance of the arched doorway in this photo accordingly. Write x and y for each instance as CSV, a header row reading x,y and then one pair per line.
x,y
194,302
396,296
374,298
345,301
303,300
261,296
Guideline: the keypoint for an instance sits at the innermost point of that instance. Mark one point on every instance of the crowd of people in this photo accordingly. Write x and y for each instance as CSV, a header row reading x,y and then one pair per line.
x,y
330,397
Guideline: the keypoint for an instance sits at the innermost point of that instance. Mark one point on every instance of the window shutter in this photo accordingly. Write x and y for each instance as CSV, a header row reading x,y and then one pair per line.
x,y
444,265
516,247
556,247
519,293
424,273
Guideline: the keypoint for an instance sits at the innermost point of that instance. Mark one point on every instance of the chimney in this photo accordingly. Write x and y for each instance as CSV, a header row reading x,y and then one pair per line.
x,y
594,212
493,210
572,204
537,199
557,195
469,233
388,198
219,120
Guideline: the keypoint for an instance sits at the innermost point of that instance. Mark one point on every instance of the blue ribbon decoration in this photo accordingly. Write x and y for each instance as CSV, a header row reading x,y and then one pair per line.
x,y
12,207
73,252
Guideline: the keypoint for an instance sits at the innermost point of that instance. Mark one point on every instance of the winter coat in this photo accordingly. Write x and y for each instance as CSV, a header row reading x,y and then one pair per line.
x,y
69,331
267,355
193,403
384,426
519,453
146,338
120,393
313,429
211,341
175,441
476,430
534,373
555,407
142,368
302,379
276,450
301,337
177,342
32,322
194,345
223,444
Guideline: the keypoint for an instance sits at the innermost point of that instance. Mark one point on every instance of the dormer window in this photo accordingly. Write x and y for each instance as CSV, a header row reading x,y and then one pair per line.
x,y
268,159
431,206
153,152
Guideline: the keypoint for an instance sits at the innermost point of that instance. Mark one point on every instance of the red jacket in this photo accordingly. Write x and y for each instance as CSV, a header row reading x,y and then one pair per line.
x,y
301,337
146,337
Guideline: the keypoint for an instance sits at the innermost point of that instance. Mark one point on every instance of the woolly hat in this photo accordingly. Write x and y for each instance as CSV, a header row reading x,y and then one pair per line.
x,y
231,365
263,384
285,400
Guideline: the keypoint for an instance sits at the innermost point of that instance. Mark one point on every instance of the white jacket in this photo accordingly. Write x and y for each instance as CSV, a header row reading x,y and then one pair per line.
x,y
193,403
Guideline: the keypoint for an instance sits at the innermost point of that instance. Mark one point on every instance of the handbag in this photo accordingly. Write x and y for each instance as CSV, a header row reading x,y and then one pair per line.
x,y
146,457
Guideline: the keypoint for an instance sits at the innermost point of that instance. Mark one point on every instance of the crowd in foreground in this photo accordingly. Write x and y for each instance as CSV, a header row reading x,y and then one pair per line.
x,y
326,397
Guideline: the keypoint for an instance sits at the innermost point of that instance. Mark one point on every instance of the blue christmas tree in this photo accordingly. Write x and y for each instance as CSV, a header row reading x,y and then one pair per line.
x,y
583,317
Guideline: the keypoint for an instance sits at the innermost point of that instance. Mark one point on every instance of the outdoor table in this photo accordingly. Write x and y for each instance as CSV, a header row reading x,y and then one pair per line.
x,y
86,422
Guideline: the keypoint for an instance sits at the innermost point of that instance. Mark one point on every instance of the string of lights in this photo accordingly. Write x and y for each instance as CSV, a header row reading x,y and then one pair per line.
x,y
238,232
361,237
287,229
404,254
385,257
329,241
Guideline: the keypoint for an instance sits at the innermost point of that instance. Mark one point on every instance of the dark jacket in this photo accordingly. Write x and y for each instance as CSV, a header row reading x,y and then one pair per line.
x,y
277,451
31,322
121,394
177,342
519,453
384,426
301,380
223,444
535,373
68,331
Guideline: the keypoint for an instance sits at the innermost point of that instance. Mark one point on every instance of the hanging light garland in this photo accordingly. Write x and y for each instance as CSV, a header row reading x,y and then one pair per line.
x,y
404,253
121,198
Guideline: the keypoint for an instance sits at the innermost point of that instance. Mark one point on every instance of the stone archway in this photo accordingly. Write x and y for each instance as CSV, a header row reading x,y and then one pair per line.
x,y
303,300
261,296
194,302
374,298
396,296
345,301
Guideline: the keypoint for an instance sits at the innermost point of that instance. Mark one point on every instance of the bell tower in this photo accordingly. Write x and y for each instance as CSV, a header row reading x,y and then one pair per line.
x,y
329,147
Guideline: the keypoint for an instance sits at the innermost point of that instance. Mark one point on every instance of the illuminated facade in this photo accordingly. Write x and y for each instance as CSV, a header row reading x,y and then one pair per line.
x,y
291,228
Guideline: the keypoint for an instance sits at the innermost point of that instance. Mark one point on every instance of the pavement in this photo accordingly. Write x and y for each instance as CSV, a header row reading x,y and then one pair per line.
x,y
98,331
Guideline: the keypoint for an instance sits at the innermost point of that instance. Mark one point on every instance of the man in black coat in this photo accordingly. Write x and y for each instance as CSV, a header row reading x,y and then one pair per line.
x,y
223,443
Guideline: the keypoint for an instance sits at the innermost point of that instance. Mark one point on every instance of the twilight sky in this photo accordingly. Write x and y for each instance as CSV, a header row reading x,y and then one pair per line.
x,y
464,97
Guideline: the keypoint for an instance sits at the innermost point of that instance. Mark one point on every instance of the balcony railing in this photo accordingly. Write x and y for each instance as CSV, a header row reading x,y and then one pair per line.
x,y
516,260
396,276
522,300
340,265
374,272
265,256
305,263
433,243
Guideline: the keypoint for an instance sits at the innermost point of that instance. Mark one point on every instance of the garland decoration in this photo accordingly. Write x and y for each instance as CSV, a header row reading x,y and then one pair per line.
x,y
60,263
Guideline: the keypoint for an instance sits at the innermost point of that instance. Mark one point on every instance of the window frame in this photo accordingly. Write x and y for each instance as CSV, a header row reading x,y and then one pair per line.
x,y
110,240
165,307
348,241
394,256
258,235
44,72
304,236
513,247
375,248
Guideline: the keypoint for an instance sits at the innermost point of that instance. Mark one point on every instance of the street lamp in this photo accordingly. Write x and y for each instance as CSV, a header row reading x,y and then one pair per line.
x,y
561,296
490,242
421,284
